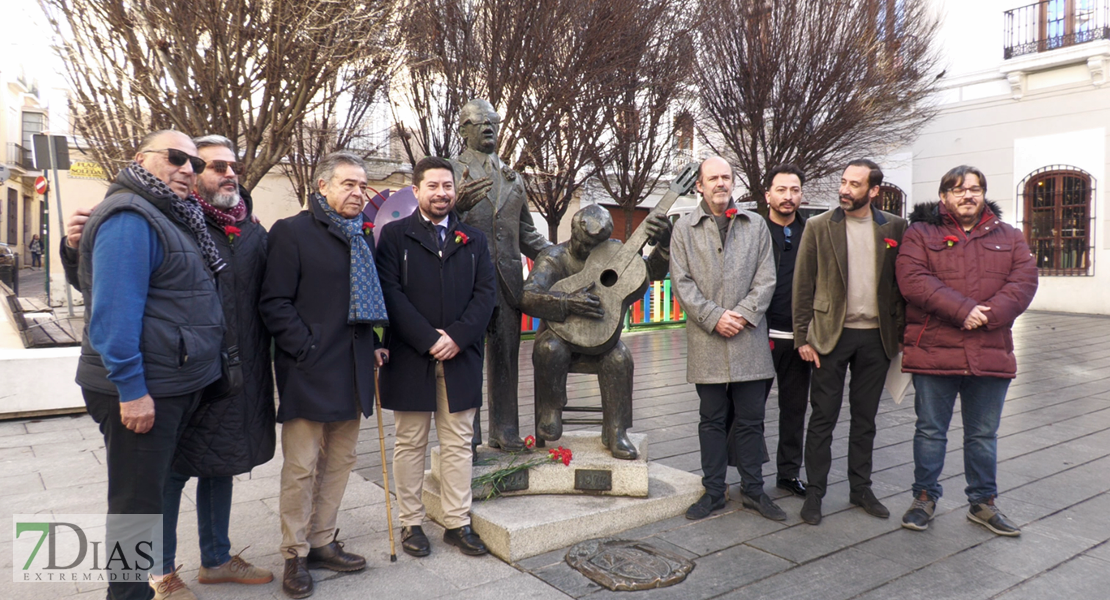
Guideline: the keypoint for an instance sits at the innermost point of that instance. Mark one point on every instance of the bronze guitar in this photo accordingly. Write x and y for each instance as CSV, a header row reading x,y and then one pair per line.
x,y
618,277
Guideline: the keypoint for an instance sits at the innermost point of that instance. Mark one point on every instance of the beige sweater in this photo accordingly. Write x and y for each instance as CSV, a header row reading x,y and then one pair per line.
x,y
863,284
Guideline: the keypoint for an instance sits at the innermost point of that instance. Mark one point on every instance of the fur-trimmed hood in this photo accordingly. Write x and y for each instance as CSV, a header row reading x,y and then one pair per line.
x,y
930,213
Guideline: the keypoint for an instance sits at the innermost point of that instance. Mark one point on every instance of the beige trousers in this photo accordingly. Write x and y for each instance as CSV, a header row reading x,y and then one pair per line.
x,y
318,460
455,431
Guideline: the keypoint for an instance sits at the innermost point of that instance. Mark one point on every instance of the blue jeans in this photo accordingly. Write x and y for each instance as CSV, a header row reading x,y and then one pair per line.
x,y
981,400
213,519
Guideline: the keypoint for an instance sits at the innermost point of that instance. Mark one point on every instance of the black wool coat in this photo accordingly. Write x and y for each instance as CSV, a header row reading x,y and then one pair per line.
x,y
425,291
324,366
232,434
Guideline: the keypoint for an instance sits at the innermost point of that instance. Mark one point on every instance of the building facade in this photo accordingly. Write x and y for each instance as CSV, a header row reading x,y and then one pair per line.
x,y
24,114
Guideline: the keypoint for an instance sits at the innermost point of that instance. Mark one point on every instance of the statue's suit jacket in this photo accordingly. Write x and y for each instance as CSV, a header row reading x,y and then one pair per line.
x,y
821,281
504,216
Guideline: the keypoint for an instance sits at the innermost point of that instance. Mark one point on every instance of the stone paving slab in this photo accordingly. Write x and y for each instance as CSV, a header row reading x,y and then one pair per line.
x,y
1054,476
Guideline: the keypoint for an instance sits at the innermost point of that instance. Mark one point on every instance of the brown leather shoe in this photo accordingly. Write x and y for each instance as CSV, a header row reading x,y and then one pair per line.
x,y
297,581
334,557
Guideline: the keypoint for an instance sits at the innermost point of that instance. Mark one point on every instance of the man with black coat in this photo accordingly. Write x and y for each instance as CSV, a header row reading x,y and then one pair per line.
x,y
321,300
440,289
784,196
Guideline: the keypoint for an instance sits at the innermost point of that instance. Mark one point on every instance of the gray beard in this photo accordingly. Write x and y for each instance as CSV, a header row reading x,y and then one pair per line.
x,y
223,200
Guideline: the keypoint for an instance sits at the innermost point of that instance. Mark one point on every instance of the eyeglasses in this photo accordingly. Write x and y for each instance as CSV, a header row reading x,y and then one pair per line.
x,y
961,192
787,234
221,166
178,158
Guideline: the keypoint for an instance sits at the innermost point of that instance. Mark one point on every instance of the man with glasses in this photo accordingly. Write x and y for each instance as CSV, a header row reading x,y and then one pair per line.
x,y
966,276
492,198
154,325
847,313
784,196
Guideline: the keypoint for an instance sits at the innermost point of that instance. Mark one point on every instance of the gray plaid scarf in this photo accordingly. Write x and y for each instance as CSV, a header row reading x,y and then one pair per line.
x,y
186,211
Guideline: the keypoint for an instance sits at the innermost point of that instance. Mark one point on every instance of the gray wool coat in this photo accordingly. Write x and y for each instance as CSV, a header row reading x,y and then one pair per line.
x,y
709,278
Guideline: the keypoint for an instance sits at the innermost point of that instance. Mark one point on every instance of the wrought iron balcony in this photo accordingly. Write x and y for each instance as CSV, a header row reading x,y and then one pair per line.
x,y
1052,24
20,157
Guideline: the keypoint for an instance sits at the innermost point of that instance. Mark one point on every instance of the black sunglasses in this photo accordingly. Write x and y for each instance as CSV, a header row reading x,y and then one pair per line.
x,y
221,166
786,234
178,158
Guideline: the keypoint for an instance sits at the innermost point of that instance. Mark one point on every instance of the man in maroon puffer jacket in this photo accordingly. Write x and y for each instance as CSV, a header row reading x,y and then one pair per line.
x,y
966,276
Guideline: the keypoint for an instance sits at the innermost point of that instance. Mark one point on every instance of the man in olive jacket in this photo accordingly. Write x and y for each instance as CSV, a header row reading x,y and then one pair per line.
x,y
440,289
966,277
847,311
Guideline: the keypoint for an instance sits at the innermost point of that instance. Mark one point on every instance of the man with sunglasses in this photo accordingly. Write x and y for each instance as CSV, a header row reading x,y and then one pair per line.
x,y
966,276
784,196
154,325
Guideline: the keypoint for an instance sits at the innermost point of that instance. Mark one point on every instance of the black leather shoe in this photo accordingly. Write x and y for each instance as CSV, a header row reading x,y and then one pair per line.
x,y
465,540
811,510
414,542
704,506
334,557
764,506
296,581
794,486
867,500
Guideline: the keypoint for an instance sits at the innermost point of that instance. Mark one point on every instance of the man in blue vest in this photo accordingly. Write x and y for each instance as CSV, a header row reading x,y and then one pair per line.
x,y
153,328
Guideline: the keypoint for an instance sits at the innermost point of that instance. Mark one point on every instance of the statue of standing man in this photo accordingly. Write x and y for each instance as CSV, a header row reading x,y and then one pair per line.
x,y
492,198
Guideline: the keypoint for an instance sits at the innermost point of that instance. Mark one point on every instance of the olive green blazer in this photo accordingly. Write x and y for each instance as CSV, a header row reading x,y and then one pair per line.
x,y
821,281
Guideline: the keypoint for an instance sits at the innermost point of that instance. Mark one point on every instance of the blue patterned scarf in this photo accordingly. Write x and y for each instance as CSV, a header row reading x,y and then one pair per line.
x,y
367,303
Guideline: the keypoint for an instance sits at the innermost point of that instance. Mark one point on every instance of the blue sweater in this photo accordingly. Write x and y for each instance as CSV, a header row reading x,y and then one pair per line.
x,y
126,252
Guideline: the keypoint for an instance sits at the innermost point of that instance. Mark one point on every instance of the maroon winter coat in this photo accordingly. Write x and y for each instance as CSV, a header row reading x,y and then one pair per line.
x,y
991,266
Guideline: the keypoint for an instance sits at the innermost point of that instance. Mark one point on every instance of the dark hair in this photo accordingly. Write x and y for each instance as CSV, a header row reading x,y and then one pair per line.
x,y
788,168
875,177
955,177
427,163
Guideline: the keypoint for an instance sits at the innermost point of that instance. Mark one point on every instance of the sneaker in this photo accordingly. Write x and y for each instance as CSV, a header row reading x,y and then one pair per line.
x,y
920,513
171,587
988,515
703,507
235,570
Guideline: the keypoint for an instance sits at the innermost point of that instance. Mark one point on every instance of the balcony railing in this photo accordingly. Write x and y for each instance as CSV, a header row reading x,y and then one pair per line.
x,y
20,157
1053,24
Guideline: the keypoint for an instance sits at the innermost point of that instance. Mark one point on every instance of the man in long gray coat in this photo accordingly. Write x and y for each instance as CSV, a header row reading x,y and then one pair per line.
x,y
723,271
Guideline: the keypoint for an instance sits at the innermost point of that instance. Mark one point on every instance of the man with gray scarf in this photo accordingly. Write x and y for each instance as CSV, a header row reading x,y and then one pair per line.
x,y
154,325
321,300
723,272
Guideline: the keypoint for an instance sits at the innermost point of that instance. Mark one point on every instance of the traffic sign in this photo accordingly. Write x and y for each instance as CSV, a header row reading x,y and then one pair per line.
x,y
41,185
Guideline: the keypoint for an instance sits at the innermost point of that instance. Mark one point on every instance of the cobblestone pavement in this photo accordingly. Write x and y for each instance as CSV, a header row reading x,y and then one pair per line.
x,y
1054,474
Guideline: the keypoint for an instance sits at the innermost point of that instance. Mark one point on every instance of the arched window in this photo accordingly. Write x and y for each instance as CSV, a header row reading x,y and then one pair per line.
x,y
1057,218
891,199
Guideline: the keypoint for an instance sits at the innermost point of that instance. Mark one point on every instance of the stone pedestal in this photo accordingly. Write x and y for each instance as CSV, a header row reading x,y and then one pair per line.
x,y
515,528
593,470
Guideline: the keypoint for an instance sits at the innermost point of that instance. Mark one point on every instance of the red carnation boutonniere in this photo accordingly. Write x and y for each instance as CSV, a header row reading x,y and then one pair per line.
x,y
890,243
951,239
730,213
232,232
461,238
367,227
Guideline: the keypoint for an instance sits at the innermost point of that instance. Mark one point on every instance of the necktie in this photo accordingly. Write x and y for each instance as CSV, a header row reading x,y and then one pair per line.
x,y
441,234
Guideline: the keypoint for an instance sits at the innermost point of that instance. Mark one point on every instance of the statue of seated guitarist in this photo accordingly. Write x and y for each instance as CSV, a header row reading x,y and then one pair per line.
x,y
553,357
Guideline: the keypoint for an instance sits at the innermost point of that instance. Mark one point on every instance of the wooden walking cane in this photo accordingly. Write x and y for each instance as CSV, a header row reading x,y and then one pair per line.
x,y
385,472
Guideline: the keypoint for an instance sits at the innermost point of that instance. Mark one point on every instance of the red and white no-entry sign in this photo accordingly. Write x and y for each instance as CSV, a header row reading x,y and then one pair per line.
x,y
40,185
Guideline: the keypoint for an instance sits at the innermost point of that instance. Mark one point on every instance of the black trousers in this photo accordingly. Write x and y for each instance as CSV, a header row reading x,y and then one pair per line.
x,y
748,402
862,351
792,374
138,463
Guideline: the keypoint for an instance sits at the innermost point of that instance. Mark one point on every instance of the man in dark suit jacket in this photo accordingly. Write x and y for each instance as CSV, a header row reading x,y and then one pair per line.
x,y
847,311
440,289
321,301
492,199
